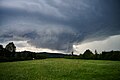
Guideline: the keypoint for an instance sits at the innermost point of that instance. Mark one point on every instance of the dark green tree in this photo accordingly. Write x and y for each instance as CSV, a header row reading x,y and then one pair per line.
x,y
10,47
88,54
96,56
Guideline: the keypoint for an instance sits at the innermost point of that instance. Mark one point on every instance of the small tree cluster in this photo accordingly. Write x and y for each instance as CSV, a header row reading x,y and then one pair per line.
x,y
9,54
112,55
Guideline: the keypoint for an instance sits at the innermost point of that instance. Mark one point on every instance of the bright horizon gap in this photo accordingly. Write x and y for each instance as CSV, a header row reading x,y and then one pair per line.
x,y
108,44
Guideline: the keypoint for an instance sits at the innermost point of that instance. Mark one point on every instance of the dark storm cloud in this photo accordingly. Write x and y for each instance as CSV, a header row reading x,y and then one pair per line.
x,y
58,24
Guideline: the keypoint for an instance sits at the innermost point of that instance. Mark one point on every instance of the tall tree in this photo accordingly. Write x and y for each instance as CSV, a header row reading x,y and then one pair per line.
x,y
88,54
10,47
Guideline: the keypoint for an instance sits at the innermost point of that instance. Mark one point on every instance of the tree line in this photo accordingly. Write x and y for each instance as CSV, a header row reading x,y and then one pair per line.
x,y
9,54
111,55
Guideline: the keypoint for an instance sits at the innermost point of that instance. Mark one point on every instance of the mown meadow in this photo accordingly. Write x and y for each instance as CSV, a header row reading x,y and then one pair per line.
x,y
60,69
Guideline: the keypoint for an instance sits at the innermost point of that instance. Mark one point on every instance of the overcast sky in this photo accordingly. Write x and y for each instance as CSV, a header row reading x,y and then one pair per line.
x,y
61,25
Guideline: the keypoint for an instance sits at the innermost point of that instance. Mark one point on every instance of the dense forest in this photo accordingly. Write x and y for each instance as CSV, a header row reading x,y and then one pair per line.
x,y
9,54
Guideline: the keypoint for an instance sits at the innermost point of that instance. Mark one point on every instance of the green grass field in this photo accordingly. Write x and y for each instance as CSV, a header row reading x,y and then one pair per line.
x,y
60,69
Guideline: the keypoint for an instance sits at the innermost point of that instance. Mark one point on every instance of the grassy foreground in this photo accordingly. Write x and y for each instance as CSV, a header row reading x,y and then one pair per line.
x,y
60,69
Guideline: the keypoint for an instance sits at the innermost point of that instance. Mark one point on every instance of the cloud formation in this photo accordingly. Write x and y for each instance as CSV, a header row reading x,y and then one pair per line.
x,y
58,24
109,44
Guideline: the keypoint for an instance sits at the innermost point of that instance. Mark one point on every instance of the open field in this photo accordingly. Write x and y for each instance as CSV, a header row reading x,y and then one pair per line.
x,y
60,69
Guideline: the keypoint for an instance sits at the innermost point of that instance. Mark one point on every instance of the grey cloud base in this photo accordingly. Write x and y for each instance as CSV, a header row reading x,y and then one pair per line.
x,y
58,24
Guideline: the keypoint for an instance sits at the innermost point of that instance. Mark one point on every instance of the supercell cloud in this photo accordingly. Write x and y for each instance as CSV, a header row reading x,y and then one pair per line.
x,y
58,24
